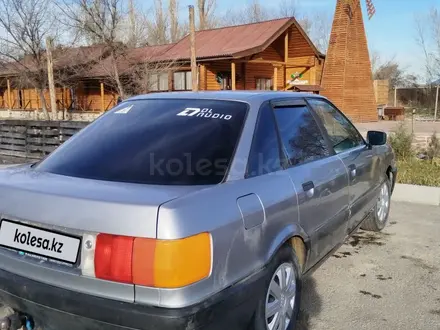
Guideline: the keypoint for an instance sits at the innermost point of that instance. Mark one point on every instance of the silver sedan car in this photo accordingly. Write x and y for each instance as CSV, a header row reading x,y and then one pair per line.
x,y
188,211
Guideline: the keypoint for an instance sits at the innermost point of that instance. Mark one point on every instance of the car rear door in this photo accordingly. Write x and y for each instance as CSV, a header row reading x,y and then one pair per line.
x,y
319,176
357,156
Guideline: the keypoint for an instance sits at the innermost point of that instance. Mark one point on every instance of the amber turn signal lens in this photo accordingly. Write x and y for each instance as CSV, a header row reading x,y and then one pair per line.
x,y
171,263
178,263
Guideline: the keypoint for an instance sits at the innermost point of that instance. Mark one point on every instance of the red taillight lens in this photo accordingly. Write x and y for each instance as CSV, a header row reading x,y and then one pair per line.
x,y
113,258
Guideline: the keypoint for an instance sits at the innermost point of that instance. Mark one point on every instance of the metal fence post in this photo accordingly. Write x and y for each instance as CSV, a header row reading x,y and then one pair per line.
x,y
436,103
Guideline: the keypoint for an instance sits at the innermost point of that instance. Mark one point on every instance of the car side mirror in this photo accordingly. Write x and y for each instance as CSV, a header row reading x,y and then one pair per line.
x,y
376,138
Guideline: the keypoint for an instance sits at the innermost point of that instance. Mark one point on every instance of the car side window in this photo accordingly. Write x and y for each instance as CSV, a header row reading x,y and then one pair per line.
x,y
264,157
300,134
343,135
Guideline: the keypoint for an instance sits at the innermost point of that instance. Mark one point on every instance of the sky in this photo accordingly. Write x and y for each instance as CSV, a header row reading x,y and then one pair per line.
x,y
391,32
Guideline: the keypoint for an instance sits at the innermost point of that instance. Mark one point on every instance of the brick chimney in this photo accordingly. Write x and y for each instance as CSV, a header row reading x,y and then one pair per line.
x,y
347,79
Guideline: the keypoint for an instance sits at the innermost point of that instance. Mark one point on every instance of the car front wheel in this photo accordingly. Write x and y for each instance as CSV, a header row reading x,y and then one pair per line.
x,y
378,220
279,307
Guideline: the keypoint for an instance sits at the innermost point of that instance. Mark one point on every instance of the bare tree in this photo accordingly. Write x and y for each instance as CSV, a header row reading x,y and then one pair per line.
x,y
288,8
428,38
306,24
174,20
136,33
100,21
158,25
320,29
390,69
24,26
206,10
252,12
257,12
163,24
375,59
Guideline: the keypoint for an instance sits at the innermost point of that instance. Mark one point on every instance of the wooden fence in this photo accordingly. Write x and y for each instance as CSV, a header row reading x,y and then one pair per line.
x,y
30,140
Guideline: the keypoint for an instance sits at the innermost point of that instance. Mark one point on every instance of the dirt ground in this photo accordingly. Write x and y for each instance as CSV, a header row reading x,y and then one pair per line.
x,y
389,280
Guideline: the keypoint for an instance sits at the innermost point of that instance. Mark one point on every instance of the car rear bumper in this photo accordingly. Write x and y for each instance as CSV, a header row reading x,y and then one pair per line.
x,y
55,308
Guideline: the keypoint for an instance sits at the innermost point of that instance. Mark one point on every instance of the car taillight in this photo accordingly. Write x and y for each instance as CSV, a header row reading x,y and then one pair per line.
x,y
113,258
151,262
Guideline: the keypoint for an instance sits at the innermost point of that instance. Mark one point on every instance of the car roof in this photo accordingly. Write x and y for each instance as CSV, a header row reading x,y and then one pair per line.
x,y
243,96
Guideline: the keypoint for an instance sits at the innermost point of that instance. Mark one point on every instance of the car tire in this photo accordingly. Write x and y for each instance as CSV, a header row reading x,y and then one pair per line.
x,y
283,262
379,218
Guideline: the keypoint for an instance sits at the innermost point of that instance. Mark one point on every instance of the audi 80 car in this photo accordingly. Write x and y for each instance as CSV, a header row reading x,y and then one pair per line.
x,y
188,211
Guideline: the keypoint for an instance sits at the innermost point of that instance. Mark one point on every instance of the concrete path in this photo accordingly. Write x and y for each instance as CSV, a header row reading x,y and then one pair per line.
x,y
389,280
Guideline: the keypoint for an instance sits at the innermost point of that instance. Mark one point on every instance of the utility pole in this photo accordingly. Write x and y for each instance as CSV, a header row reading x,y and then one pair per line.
x,y
53,100
192,38
436,103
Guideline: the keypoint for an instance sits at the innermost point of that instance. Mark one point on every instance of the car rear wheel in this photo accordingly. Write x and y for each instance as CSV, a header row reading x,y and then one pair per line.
x,y
379,218
278,308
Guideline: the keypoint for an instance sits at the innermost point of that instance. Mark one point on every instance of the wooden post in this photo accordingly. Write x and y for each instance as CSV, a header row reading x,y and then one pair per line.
x,y
52,95
286,58
202,77
275,78
65,98
170,80
233,75
102,97
436,103
192,38
243,74
38,99
9,94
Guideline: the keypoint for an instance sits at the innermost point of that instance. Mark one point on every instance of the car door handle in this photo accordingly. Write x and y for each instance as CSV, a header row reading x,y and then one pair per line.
x,y
353,171
309,188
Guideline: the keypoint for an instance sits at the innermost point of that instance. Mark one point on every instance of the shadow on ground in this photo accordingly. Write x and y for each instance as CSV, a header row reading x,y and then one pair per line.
x,y
311,304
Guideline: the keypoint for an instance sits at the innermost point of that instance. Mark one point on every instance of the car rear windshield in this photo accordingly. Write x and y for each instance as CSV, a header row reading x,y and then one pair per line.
x,y
165,142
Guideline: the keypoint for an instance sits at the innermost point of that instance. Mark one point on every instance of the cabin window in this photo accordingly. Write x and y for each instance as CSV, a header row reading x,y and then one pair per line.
x,y
158,82
264,83
182,81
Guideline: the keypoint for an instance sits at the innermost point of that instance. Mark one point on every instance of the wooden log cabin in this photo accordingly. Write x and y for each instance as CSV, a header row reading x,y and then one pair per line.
x,y
270,55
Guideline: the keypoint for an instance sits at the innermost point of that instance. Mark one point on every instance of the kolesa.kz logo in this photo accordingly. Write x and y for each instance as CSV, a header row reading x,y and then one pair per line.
x,y
205,113
38,242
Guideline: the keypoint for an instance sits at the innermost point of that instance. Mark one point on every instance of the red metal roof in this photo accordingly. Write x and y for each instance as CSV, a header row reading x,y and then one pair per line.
x,y
230,41
227,42
147,53
62,58
127,60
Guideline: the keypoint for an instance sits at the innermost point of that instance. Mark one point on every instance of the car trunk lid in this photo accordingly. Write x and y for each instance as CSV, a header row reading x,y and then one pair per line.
x,y
82,204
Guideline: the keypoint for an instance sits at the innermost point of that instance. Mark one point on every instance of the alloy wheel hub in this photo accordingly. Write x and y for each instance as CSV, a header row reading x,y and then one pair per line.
x,y
383,203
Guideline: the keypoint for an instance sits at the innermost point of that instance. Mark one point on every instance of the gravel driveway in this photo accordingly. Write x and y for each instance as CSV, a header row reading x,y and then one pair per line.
x,y
389,280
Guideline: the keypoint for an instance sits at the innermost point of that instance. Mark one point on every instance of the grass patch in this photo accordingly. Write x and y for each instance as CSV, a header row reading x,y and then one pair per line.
x,y
418,172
